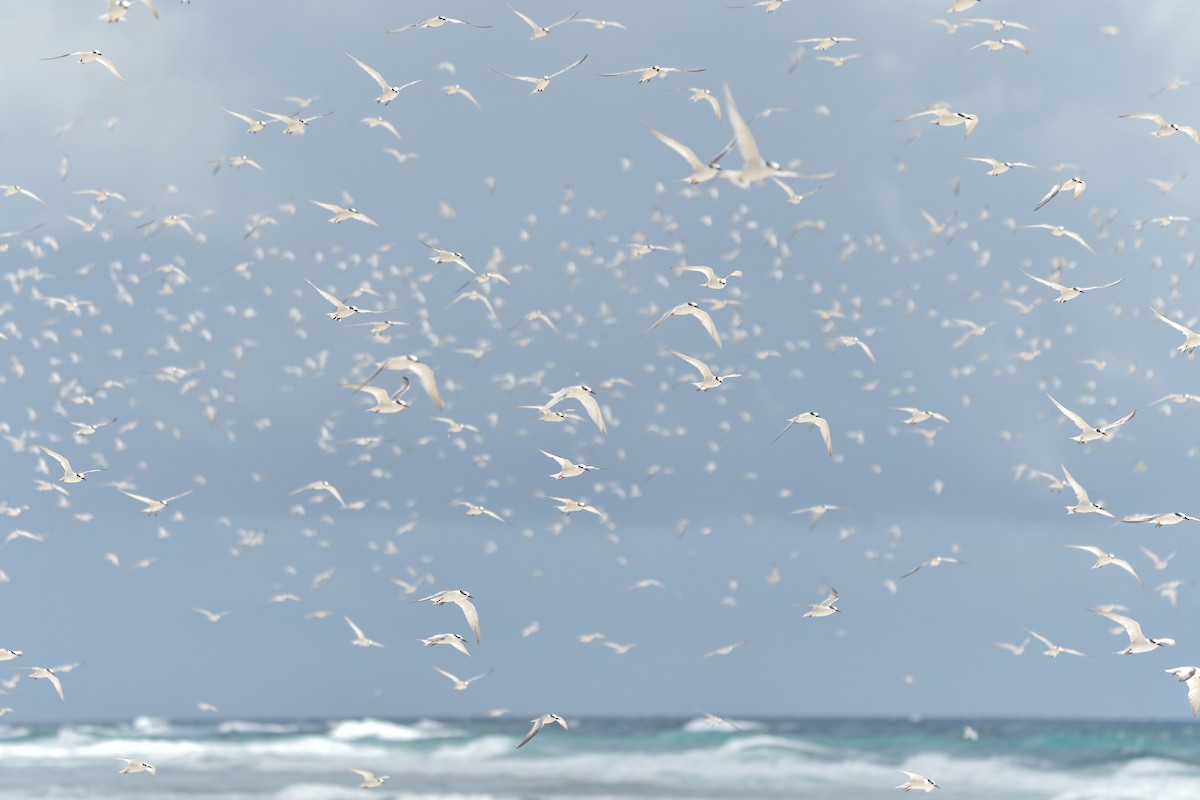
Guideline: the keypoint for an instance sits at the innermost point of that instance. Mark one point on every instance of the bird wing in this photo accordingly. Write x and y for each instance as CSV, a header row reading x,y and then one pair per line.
x,y
705,320
111,67
527,20
468,610
1088,247
57,685
1181,328
357,630
823,425
571,66
1081,496
683,150
1079,421
537,726
1132,628
562,462
176,497
747,146
321,291
1125,565
1193,687
1114,425
707,272
695,362
1087,548
1054,190
148,501
428,382
373,73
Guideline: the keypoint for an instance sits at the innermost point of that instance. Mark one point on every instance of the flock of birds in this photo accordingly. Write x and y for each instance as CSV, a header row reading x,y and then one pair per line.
x,y
398,305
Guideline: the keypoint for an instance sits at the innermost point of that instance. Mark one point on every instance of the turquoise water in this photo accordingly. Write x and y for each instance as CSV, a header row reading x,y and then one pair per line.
x,y
603,759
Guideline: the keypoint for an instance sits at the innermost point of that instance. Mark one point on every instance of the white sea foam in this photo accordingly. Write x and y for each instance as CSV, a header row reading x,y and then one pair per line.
x,y
388,731
473,749
702,725
236,726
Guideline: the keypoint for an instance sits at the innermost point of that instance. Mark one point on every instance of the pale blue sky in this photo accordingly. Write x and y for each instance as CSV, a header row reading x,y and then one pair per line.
x,y
577,180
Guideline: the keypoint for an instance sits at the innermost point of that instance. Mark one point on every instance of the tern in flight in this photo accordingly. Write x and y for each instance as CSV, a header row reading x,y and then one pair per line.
x,y
1103,559
1089,432
154,506
708,380
701,171
436,22
389,92
69,473
1052,650
1192,340
88,56
1083,503
370,779
360,639
460,684
1076,185
541,31
1138,641
918,782
540,84
460,598
1069,293
810,418
541,722
1190,676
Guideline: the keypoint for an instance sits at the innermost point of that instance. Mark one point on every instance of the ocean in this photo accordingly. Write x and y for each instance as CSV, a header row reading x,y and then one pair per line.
x,y
602,759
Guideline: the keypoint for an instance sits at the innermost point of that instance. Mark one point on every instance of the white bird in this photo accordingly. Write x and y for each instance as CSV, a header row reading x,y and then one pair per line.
x,y
1076,185
755,168
711,279
419,368
1059,230
255,125
1103,559
133,765
1053,650
436,22
292,125
1159,563
569,506
9,655
946,118
1190,676
853,341
341,310
916,780
321,486
810,418
452,639
540,84
460,684
154,506
649,73
455,89
9,190
209,615
936,561
706,96
1068,293
360,639
1164,128
460,598
541,722
826,607
999,44
725,649
1138,642
475,510
586,396
823,43
342,214
1192,340
384,403
1015,649
1000,167
370,779
69,474
917,416
708,380
701,172
1159,520
1089,432
88,56
815,513
1083,503
38,673
541,31
567,467
389,92
693,310
1169,590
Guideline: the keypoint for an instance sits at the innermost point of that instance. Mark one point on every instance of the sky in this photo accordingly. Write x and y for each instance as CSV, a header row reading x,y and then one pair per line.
x,y
228,380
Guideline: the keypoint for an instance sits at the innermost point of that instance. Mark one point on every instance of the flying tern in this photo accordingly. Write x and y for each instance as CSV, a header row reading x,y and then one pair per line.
x,y
826,607
1059,230
38,673
946,118
708,380
88,56
360,639
540,84
810,418
69,473
936,561
541,722
1138,642
1015,649
999,44
460,684
541,31
567,467
917,781
711,279
917,415
133,765
369,779
1103,559
755,168
1053,650
586,397
1159,520
1089,432
650,73
1068,293
452,639
690,309
1192,340
1164,128
423,371
342,214
460,598
436,22
154,506
390,92
1083,503
1190,676
293,124
1000,167
1075,185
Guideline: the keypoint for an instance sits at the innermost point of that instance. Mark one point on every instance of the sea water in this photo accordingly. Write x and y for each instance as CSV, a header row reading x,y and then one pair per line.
x,y
602,759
